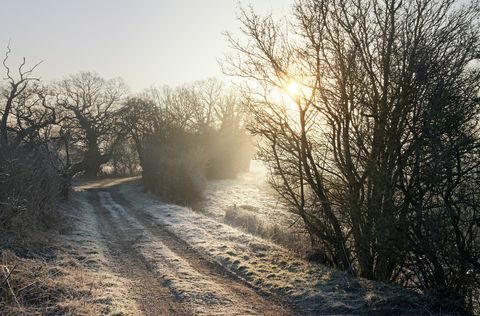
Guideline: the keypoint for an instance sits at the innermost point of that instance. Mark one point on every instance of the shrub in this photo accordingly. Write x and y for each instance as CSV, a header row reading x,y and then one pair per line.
x,y
124,161
29,191
227,153
174,169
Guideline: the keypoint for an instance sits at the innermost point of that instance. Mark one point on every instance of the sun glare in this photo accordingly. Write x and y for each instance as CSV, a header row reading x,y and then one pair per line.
x,y
293,89
292,92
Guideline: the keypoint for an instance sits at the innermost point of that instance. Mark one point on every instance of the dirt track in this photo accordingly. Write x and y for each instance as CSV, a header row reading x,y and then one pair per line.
x,y
161,276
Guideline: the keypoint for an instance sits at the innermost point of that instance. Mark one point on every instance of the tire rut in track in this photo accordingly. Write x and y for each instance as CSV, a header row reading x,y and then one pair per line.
x,y
152,297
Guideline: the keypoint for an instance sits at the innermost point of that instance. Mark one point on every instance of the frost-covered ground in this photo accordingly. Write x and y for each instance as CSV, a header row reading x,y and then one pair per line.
x,y
249,191
248,202
273,269
185,255
86,244
155,272
200,293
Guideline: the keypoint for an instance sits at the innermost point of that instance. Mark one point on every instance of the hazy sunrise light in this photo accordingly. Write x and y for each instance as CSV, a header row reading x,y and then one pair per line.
x,y
240,157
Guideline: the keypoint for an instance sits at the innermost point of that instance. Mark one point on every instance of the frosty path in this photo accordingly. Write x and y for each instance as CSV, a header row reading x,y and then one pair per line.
x,y
167,276
173,261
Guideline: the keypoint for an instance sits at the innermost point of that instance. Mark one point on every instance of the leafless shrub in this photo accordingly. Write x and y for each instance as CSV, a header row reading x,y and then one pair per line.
x,y
29,192
174,169
124,160
228,153
30,172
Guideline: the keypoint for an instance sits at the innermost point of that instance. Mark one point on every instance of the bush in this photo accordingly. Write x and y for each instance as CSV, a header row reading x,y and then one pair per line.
x,y
176,162
227,153
174,169
29,191
124,161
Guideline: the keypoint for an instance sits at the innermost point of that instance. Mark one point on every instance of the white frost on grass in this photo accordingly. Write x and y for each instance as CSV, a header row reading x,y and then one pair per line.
x,y
250,191
250,203
315,288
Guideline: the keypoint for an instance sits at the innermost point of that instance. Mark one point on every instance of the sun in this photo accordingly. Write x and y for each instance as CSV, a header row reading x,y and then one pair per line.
x,y
292,92
293,89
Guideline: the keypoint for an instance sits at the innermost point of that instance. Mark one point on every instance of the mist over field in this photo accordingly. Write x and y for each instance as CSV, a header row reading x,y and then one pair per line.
x,y
254,158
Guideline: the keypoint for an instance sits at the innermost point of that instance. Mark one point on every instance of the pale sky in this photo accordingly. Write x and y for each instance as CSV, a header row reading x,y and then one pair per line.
x,y
143,41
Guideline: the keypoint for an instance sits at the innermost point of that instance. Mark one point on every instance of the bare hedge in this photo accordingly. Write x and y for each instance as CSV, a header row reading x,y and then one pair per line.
x,y
30,188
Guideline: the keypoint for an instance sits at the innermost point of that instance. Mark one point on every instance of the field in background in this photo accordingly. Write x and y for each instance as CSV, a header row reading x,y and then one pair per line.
x,y
248,202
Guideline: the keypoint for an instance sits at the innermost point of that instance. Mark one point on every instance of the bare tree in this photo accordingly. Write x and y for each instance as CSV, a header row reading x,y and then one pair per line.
x,y
140,118
186,133
27,108
382,139
89,104
30,183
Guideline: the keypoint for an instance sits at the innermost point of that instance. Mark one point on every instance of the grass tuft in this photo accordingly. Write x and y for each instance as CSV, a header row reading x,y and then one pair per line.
x,y
244,218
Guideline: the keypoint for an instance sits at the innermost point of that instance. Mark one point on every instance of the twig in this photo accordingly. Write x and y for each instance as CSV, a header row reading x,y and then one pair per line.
x,y
9,274
10,288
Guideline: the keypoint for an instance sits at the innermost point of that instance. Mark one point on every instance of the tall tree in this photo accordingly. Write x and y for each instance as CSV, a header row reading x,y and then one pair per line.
x,y
139,119
90,105
379,152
